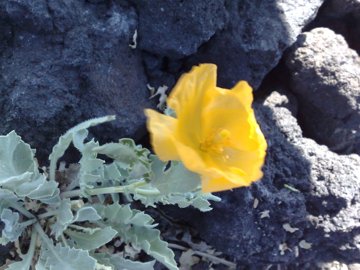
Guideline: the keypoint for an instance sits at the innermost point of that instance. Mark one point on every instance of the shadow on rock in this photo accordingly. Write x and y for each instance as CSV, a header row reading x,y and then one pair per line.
x,y
246,39
253,41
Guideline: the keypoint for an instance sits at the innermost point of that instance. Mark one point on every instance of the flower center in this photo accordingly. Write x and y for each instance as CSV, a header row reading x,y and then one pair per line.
x,y
215,143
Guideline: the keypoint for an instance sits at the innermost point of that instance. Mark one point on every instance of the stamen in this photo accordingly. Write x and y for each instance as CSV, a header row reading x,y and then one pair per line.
x,y
216,142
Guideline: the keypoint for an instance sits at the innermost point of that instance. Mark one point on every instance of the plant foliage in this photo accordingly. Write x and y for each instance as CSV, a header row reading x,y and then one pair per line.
x,y
72,220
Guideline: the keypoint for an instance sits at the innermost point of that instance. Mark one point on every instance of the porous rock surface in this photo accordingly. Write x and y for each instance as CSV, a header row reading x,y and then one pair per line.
x,y
255,37
304,211
343,17
63,62
177,28
325,76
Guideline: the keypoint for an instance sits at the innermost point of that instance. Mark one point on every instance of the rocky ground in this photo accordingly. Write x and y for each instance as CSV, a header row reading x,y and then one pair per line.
x,y
65,61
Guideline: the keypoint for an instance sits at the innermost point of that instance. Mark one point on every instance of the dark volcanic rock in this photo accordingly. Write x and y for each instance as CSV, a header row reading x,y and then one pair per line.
x,y
177,28
325,75
304,210
343,7
343,17
27,15
85,68
253,41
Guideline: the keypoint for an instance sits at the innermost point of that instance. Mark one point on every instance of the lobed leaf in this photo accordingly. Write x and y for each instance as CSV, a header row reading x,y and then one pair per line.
x,y
137,228
91,240
86,213
173,178
13,229
119,262
19,171
17,164
64,217
151,196
61,258
76,135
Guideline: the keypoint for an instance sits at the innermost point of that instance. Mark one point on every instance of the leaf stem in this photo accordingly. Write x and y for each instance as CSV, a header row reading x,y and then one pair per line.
x,y
70,194
22,210
28,222
63,239
148,192
47,214
104,190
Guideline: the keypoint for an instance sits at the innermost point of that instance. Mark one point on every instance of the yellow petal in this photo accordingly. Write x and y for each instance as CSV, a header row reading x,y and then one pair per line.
x,y
217,184
231,110
162,129
243,92
192,158
232,178
192,87
189,97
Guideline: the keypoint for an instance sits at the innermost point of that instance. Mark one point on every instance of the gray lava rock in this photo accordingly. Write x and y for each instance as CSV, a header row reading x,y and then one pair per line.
x,y
304,211
85,68
27,14
255,38
325,75
343,17
177,28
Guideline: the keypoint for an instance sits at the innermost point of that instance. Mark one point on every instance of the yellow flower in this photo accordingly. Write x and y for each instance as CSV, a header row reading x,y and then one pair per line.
x,y
215,133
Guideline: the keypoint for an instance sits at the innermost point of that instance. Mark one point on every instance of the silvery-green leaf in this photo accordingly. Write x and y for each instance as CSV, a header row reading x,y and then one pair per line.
x,y
128,156
64,217
113,172
118,262
137,228
121,263
175,179
4,241
17,164
149,197
7,196
39,189
12,229
77,135
91,168
19,170
125,150
61,258
86,213
90,241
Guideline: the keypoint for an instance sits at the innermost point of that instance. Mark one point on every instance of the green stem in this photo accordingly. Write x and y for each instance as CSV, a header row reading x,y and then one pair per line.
x,y
76,227
27,223
104,190
71,194
63,239
47,214
22,210
43,235
148,192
